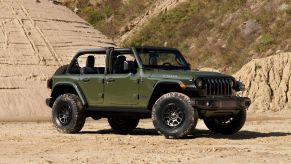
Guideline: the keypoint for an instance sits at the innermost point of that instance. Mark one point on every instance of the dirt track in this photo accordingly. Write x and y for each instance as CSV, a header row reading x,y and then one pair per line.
x,y
264,139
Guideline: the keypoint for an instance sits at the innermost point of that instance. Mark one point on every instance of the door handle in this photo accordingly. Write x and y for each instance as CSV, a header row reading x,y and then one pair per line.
x,y
86,79
109,80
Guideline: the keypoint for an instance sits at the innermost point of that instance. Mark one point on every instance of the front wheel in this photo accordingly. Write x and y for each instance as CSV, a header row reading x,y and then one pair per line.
x,y
68,114
173,116
123,125
228,125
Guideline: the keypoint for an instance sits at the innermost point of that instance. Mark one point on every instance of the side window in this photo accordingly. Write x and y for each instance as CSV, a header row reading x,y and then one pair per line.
x,y
92,63
145,58
123,64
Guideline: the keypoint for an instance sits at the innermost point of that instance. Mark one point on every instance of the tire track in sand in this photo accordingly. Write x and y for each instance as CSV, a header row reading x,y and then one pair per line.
x,y
26,33
45,39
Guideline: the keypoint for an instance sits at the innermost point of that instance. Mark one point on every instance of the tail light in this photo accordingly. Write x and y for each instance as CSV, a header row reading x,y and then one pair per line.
x,y
49,83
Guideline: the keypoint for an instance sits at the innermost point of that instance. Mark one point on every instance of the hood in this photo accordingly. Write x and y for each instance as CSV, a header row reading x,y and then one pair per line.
x,y
184,74
196,74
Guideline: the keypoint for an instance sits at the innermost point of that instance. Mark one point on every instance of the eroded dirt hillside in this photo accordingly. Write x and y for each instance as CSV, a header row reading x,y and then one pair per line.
x,y
158,7
268,82
36,38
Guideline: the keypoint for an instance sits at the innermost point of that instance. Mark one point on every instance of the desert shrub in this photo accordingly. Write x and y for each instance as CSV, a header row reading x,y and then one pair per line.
x,y
170,27
119,13
264,42
195,27
95,17
264,17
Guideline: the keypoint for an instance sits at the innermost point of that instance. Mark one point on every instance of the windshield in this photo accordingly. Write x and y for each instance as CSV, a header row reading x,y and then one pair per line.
x,y
163,59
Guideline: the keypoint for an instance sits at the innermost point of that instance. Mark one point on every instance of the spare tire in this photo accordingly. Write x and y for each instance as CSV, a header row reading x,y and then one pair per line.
x,y
61,70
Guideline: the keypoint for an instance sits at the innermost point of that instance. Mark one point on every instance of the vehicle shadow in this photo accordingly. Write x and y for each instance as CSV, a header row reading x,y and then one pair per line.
x,y
241,135
199,133
137,131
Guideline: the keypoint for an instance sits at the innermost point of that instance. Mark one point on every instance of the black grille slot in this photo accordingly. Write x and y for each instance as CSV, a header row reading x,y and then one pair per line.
x,y
218,86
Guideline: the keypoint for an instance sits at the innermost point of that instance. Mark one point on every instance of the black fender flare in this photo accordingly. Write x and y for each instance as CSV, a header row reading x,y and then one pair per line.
x,y
156,87
72,85
168,81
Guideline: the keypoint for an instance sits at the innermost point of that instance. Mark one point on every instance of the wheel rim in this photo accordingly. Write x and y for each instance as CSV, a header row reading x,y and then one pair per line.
x,y
64,115
173,116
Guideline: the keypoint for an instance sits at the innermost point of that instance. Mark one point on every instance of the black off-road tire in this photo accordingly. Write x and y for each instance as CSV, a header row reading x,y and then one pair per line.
x,y
61,70
185,119
123,125
68,115
226,126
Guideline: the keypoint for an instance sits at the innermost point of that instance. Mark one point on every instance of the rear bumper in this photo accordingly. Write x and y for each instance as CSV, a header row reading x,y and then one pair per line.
x,y
49,102
220,106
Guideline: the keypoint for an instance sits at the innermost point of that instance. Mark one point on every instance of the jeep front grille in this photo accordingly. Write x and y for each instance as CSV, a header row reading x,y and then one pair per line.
x,y
218,86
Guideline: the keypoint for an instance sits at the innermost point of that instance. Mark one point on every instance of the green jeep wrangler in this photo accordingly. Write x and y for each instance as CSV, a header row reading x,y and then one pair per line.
x,y
128,84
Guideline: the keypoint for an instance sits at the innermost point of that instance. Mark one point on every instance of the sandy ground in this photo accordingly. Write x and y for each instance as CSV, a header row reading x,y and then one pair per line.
x,y
266,138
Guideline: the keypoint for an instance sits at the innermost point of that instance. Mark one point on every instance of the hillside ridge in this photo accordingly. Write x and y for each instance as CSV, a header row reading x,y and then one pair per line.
x,y
35,39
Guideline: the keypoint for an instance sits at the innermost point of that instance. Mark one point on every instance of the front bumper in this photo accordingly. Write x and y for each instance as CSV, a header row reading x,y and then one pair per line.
x,y
220,106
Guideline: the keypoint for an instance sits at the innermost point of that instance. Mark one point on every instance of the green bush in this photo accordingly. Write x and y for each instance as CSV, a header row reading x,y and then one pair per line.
x,y
265,42
172,27
264,17
208,32
94,18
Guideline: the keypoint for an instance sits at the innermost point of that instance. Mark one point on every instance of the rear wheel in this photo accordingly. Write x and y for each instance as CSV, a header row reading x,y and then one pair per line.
x,y
123,125
68,114
228,125
173,116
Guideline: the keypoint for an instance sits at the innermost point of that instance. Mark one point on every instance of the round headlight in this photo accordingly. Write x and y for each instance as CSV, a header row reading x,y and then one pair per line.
x,y
199,83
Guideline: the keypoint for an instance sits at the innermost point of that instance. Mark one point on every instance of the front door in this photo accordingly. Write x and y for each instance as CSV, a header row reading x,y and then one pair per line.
x,y
120,85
